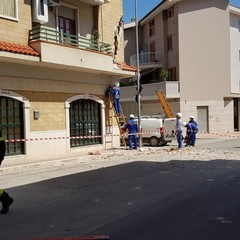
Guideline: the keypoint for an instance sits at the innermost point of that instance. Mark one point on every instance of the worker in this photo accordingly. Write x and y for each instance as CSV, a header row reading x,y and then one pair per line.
x,y
194,130
178,129
116,97
191,120
5,199
132,128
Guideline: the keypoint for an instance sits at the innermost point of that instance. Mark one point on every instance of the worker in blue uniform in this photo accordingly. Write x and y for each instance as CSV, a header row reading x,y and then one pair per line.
x,y
132,128
192,130
191,120
5,199
116,97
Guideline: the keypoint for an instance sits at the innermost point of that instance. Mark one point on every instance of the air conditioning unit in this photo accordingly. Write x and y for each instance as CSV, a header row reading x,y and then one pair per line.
x,y
54,3
39,11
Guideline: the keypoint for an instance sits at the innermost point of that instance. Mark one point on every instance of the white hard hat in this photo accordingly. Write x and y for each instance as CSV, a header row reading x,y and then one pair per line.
x,y
117,84
191,117
179,115
131,116
184,124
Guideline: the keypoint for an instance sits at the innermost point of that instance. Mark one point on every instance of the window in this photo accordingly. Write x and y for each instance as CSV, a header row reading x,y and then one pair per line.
x,y
9,9
170,12
68,29
165,17
67,25
169,42
151,28
85,123
41,8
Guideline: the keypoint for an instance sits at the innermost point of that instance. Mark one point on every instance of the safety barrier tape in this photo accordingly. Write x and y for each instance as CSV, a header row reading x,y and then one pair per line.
x,y
113,135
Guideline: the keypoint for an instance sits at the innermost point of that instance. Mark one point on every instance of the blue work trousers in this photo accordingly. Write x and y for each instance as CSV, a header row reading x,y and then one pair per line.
x,y
116,105
179,138
133,139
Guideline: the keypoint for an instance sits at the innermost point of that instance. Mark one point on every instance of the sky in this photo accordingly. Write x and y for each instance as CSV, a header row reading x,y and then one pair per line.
x,y
145,6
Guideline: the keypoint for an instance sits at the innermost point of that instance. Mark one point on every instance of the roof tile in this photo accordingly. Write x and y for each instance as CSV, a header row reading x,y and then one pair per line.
x,y
17,48
126,67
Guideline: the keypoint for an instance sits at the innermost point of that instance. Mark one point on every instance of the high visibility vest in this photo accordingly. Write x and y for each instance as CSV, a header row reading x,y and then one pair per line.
x,y
1,138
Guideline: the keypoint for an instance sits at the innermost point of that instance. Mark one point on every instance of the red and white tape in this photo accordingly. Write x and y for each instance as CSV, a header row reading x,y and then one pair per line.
x,y
111,135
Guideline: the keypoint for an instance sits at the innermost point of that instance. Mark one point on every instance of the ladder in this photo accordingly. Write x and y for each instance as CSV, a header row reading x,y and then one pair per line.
x,y
121,121
164,103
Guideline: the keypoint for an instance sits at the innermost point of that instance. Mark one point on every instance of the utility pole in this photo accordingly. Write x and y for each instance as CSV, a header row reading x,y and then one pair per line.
x,y
138,77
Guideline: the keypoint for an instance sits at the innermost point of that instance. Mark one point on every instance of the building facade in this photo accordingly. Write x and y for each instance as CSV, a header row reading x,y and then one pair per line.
x,y
202,60
57,57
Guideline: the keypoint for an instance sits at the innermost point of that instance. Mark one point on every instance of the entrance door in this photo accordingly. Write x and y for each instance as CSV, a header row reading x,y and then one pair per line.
x,y
11,124
236,114
202,117
85,123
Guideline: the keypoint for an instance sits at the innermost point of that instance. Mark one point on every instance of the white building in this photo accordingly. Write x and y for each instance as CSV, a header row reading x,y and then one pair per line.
x,y
197,41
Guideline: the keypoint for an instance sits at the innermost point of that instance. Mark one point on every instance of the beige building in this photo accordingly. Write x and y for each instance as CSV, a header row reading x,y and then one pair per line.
x,y
197,42
57,57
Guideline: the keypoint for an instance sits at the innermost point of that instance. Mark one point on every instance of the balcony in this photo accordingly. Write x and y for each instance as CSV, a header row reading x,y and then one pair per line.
x,y
169,88
52,35
66,50
148,60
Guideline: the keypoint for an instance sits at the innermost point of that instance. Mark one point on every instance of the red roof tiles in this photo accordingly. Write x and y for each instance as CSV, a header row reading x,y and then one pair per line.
x,y
126,67
17,48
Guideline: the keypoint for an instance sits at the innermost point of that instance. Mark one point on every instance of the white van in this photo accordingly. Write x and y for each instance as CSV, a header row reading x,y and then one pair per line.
x,y
158,131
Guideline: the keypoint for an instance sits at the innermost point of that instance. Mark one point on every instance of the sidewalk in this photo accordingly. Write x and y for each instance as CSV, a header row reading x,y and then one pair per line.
x,y
21,163
13,164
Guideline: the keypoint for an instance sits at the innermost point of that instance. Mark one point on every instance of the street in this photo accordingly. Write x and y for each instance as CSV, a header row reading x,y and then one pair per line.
x,y
152,197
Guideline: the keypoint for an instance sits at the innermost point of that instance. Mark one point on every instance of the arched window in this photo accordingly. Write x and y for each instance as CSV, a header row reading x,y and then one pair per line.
x,y
12,124
85,122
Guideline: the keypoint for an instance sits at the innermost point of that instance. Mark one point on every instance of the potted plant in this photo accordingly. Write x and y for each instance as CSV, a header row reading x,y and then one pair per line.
x,y
164,74
95,39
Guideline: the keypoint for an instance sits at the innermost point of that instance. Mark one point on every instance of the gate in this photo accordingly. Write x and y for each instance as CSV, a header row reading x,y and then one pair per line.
x,y
85,120
11,124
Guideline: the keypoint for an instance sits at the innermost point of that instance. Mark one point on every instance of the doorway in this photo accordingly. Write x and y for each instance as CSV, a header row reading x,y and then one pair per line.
x,y
12,124
236,114
85,123
202,117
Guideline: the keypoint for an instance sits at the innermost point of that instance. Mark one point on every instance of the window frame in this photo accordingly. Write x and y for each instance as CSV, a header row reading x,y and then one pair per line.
x,y
16,13
170,12
152,28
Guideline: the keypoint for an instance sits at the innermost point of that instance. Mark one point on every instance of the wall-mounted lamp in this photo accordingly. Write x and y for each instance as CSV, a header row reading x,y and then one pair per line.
x,y
36,114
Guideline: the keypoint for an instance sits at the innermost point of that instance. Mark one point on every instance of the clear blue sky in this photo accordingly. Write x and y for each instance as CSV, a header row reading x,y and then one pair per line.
x,y
145,6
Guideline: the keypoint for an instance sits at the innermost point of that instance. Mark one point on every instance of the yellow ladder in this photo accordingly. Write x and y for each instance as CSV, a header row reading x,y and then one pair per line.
x,y
121,121
164,103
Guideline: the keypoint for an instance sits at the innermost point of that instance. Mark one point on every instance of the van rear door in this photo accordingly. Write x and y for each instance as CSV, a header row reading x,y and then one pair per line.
x,y
169,125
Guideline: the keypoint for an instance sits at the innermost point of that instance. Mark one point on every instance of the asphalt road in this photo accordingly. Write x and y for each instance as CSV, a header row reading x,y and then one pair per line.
x,y
142,200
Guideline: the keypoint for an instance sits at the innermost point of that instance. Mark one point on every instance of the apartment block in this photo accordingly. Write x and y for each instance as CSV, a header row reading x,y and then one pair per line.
x,y
197,43
57,57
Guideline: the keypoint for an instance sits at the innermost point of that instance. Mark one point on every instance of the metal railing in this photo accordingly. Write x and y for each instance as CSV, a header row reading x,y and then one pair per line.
x,y
52,35
148,58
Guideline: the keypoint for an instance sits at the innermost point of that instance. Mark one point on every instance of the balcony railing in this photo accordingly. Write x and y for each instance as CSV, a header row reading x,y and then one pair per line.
x,y
52,35
170,89
149,58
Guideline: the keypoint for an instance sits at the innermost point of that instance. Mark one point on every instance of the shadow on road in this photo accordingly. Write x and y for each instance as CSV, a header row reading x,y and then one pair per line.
x,y
175,200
